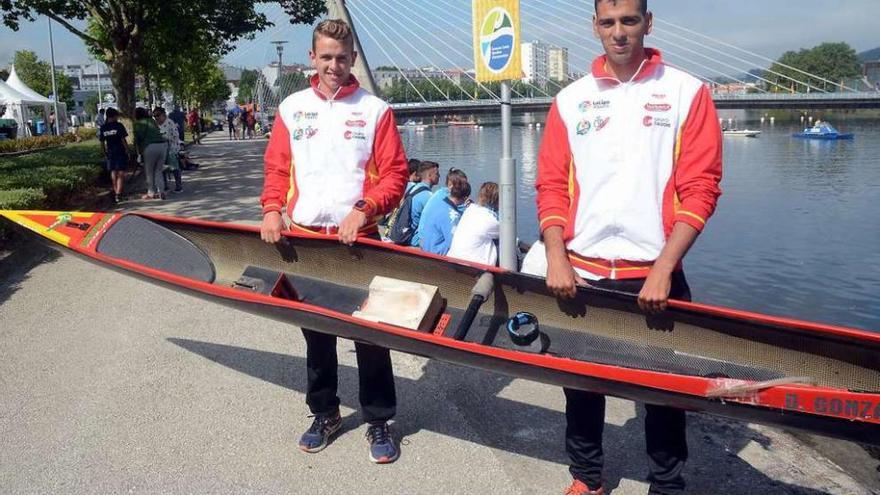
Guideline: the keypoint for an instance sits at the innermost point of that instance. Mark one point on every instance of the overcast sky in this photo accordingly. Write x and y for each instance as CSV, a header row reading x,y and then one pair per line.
x,y
766,27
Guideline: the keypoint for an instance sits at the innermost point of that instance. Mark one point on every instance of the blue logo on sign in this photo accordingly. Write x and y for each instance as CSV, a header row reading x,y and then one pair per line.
x,y
497,39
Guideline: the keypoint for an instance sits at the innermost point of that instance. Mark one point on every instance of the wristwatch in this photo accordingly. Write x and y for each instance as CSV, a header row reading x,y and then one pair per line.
x,y
361,206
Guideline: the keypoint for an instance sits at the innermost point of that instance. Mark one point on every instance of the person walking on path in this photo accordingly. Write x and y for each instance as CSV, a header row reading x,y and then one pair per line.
x,y
152,148
193,121
628,174
335,162
169,131
114,144
230,122
178,118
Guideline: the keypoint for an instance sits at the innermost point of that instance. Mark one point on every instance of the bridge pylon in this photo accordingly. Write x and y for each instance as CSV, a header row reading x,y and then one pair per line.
x,y
361,70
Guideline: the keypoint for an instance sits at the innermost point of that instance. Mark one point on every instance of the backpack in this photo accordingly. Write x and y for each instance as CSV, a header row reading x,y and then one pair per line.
x,y
400,229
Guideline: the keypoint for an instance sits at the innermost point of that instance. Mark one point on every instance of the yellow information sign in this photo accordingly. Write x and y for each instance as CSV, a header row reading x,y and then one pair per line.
x,y
497,40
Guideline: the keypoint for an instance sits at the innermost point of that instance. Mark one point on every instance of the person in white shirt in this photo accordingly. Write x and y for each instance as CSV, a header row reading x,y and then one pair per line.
x,y
476,237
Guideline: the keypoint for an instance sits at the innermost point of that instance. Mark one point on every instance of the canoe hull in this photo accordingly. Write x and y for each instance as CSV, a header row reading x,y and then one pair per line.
x,y
823,410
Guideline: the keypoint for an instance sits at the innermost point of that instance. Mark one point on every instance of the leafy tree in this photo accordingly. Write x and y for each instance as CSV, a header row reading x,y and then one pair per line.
x,y
90,106
210,88
38,75
119,30
831,61
247,86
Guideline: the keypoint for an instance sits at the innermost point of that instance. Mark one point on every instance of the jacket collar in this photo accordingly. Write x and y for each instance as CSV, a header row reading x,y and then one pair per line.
x,y
344,91
653,59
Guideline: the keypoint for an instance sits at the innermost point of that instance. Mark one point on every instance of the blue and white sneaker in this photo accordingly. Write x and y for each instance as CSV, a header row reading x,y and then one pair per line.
x,y
382,448
316,438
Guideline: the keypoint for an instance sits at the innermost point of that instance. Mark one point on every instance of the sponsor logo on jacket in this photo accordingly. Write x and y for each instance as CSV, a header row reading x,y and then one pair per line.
x,y
600,123
658,107
583,127
650,121
304,133
586,106
358,135
356,123
300,116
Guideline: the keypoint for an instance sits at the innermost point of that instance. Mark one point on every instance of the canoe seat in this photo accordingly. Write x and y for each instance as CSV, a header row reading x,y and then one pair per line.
x,y
139,240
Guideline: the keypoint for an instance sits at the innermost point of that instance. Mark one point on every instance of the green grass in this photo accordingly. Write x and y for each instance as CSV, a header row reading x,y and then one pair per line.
x,y
56,174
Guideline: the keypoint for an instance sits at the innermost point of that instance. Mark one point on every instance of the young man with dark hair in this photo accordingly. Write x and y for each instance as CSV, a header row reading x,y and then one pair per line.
x,y
428,175
628,175
336,164
643,5
412,167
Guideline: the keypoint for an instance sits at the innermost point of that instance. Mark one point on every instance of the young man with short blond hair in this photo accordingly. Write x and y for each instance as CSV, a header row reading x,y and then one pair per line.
x,y
335,163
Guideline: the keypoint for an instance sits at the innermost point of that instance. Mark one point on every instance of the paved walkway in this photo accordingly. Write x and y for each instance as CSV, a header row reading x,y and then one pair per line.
x,y
111,385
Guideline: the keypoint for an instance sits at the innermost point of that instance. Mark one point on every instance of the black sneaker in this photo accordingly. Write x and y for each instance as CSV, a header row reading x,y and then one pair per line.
x,y
382,448
323,428
178,190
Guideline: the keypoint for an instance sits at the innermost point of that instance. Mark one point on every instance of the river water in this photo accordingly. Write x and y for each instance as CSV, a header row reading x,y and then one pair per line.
x,y
796,232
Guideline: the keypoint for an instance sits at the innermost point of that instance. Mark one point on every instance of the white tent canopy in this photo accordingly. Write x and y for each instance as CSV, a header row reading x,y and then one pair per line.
x,y
17,84
19,103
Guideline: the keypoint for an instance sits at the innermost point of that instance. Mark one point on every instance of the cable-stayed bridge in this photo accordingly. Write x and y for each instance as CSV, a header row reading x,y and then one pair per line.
x,y
853,100
412,38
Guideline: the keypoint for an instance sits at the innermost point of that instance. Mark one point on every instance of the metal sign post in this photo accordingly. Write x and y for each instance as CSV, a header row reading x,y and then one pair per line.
x,y
497,58
507,201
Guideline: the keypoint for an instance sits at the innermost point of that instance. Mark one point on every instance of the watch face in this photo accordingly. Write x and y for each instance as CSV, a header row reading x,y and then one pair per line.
x,y
360,205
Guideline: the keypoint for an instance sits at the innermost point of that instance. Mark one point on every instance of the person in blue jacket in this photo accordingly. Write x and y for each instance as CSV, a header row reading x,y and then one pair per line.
x,y
429,176
442,213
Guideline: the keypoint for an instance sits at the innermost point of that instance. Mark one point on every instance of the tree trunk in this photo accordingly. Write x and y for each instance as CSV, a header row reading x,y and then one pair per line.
x,y
122,73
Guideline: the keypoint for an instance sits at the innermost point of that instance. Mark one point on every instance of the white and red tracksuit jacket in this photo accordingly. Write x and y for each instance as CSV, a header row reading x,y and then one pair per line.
x,y
325,155
622,162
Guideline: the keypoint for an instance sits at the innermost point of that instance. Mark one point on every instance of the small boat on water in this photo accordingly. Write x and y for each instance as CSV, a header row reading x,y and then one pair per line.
x,y
472,124
412,125
746,366
823,130
741,133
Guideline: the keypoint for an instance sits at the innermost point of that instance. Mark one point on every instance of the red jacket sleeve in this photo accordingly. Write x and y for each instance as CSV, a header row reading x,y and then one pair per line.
x,y
277,165
698,169
554,170
389,164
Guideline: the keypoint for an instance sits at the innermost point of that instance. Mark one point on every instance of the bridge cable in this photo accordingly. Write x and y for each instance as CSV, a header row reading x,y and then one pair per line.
x,y
441,54
429,79
467,54
587,61
763,58
684,58
469,35
280,21
590,11
379,45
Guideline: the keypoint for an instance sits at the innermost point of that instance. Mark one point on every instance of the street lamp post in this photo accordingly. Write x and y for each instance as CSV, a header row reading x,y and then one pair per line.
x,y
54,87
100,96
279,46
